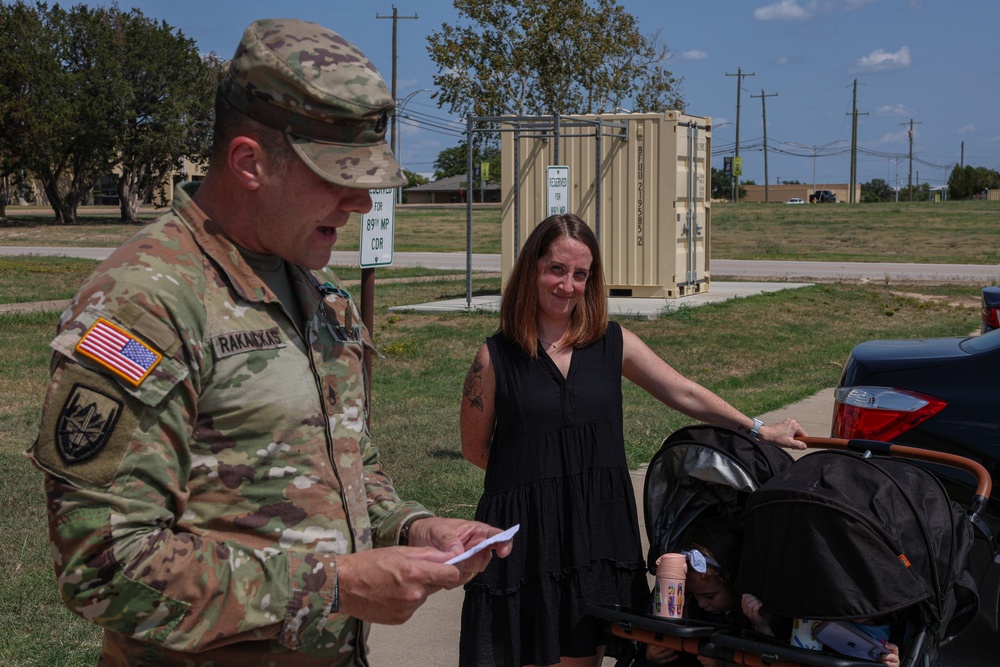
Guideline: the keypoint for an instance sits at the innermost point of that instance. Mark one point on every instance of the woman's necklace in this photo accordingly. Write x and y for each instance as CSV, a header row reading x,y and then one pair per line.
x,y
549,343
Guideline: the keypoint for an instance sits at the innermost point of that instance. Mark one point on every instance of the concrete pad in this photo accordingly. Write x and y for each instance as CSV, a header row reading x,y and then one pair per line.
x,y
618,307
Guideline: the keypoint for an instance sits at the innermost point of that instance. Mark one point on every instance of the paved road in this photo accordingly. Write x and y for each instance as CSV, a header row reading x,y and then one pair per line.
x,y
746,269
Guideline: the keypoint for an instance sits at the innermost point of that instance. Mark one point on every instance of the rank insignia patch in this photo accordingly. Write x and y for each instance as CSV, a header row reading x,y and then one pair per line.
x,y
119,351
87,420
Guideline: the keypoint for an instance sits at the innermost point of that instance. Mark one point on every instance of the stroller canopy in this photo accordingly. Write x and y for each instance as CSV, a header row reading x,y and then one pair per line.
x,y
840,536
698,470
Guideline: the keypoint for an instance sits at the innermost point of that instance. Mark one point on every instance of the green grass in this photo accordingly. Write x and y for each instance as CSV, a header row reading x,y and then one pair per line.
x,y
416,229
35,627
27,279
960,232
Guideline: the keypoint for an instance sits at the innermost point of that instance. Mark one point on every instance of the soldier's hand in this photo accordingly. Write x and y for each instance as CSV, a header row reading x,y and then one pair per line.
x,y
456,536
387,585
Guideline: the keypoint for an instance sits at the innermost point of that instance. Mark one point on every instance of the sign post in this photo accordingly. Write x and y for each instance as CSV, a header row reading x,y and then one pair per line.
x,y
375,250
556,190
376,229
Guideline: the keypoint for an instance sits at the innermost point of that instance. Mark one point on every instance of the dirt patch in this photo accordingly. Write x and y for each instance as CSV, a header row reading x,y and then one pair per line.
x,y
958,302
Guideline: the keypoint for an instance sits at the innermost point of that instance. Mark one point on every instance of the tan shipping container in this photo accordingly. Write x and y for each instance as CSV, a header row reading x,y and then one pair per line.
x,y
652,211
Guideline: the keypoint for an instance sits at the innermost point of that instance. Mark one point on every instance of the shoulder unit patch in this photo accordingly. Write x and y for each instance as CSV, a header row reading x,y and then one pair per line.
x,y
119,351
86,422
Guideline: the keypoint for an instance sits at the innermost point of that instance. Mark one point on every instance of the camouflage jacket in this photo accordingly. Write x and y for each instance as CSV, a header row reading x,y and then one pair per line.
x,y
206,462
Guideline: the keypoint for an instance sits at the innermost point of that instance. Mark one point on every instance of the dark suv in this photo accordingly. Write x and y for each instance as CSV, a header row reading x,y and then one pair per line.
x,y
822,196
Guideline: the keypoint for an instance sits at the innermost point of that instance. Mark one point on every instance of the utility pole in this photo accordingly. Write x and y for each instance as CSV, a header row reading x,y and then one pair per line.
x,y
395,19
739,86
763,108
854,145
368,272
909,182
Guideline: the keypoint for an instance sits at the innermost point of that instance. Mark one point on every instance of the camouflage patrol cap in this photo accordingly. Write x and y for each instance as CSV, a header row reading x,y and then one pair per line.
x,y
323,93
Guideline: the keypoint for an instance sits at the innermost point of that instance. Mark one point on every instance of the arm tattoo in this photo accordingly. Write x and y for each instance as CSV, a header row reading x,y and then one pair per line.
x,y
473,389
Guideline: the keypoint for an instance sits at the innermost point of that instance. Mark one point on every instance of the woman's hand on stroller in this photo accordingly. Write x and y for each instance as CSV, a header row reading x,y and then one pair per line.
x,y
783,433
753,610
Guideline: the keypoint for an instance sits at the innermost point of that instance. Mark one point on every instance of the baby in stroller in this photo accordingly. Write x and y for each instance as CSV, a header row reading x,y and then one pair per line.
x,y
882,628
712,547
867,540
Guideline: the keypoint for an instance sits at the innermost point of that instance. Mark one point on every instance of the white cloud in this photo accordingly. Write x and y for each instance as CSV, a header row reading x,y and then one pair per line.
x,y
879,60
965,129
858,4
783,10
783,60
892,110
893,138
791,10
695,54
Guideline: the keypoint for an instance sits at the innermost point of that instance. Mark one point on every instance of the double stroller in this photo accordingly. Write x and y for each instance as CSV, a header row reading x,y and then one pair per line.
x,y
856,530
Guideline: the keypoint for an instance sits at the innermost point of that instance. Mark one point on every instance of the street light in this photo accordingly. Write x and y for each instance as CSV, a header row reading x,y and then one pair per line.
x,y
400,107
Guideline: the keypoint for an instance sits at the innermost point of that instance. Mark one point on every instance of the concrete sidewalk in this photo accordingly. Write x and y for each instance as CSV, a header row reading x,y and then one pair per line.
x,y
430,637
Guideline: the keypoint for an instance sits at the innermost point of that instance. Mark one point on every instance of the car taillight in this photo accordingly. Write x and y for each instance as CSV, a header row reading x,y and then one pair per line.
x,y
990,319
991,308
880,413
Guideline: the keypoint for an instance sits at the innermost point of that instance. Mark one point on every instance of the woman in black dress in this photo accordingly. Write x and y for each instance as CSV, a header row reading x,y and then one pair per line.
x,y
542,414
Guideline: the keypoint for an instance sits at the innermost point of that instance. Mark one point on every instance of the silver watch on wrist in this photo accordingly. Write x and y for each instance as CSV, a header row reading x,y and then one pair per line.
x,y
755,429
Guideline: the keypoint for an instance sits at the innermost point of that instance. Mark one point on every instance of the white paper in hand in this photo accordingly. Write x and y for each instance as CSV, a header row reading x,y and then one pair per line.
x,y
489,541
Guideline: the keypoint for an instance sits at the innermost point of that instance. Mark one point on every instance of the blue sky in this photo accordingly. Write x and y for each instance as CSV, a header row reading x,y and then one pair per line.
x,y
936,63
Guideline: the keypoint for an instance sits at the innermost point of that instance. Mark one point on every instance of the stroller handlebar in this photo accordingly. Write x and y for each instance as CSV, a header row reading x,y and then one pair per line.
x,y
984,482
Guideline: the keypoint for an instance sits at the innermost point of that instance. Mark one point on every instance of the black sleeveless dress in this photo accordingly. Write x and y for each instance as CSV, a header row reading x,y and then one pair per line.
x,y
556,467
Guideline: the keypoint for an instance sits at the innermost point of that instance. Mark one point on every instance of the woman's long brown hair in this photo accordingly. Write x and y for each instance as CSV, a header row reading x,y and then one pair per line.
x,y
519,304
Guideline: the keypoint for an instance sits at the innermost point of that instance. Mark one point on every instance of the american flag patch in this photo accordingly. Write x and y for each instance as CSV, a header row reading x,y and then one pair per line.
x,y
120,352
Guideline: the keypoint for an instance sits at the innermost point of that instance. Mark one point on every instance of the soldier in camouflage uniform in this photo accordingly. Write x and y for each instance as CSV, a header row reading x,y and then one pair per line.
x,y
214,496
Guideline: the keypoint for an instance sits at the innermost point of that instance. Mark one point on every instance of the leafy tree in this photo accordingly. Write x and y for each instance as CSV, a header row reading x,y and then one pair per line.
x,y
58,92
968,181
722,185
7,172
454,161
167,109
877,190
537,57
87,89
413,179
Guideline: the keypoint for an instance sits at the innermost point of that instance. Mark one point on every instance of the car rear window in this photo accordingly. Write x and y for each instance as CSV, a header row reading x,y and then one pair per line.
x,y
987,341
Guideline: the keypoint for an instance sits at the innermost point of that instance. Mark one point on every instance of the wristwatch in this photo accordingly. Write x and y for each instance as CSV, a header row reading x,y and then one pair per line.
x,y
755,429
404,531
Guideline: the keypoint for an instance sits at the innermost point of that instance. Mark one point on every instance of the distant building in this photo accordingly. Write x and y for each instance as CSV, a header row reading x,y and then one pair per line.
x,y
451,190
782,193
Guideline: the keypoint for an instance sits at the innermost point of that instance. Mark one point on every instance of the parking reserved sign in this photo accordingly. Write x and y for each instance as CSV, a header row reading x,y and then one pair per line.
x,y
376,229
